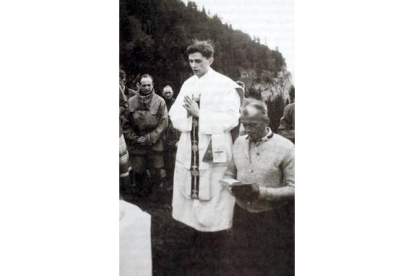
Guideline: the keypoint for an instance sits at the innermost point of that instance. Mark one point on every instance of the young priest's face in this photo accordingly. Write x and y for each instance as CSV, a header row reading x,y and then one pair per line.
x,y
199,63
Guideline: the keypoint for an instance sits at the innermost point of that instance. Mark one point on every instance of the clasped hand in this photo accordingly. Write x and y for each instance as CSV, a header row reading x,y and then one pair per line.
x,y
143,140
191,106
246,192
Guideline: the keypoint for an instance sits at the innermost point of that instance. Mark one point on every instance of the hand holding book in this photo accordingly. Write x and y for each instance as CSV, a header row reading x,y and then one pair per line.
x,y
242,191
246,192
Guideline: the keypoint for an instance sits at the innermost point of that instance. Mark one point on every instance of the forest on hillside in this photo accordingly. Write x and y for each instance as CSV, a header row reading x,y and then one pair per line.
x,y
154,35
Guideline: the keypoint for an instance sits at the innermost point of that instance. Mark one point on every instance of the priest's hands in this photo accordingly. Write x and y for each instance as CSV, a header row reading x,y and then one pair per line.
x,y
246,192
191,106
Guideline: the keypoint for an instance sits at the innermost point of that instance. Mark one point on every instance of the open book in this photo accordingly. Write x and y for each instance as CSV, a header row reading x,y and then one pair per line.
x,y
228,183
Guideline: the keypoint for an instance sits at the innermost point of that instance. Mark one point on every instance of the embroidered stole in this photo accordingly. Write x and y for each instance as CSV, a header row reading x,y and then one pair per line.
x,y
195,162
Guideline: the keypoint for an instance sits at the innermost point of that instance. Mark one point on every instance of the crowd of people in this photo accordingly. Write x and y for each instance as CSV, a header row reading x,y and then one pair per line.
x,y
226,168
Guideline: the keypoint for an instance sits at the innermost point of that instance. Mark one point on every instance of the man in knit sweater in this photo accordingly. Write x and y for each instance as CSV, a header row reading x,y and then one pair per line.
x,y
263,216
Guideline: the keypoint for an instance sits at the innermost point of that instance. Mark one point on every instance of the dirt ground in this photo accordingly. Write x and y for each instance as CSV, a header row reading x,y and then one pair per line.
x,y
170,239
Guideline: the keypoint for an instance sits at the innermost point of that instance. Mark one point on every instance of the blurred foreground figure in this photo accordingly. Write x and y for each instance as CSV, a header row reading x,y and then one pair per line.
x,y
134,241
263,217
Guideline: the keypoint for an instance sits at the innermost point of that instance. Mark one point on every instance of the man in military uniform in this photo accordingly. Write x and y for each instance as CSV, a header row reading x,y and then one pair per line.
x,y
146,121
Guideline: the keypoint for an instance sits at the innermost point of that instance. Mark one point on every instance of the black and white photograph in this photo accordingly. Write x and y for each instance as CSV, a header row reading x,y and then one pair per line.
x,y
191,168
207,133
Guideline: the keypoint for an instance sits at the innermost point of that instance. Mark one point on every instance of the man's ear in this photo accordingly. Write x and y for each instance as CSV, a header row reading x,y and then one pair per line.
x,y
211,60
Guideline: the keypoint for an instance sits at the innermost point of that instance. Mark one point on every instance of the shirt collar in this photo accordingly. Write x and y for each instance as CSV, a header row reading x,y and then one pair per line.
x,y
268,135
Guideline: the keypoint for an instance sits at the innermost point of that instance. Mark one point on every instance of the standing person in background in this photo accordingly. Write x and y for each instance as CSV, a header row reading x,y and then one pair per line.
x,y
168,95
206,110
124,164
123,87
276,107
287,122
122,98
135,86
124,94
171,135
146,121
241,128
242,86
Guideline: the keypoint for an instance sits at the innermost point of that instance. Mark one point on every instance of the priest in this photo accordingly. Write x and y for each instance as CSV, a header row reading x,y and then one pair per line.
x,y
205,112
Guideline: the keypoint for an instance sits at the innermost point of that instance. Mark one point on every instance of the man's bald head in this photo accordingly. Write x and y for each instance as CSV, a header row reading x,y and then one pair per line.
x,y
254,118
254,108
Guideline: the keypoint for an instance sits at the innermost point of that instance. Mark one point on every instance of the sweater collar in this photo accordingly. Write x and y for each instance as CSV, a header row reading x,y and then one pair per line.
x,y
268,135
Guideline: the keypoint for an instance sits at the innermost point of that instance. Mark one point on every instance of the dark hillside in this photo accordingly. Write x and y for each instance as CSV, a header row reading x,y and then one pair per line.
x,y
155,33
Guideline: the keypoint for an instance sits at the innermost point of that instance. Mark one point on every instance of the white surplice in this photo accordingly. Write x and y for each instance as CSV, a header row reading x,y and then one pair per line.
x,y
219,114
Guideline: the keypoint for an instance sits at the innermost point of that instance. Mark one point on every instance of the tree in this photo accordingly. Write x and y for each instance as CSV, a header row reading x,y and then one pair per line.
x,y
154,35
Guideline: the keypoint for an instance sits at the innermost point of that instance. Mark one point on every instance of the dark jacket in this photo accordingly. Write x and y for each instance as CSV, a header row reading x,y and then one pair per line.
x,y
172,135
149,123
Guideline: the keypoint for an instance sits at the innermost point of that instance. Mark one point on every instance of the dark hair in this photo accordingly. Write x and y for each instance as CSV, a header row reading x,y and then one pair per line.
x,y
135,80
202,47
292,91
252,93
146,76
258,105
122,74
